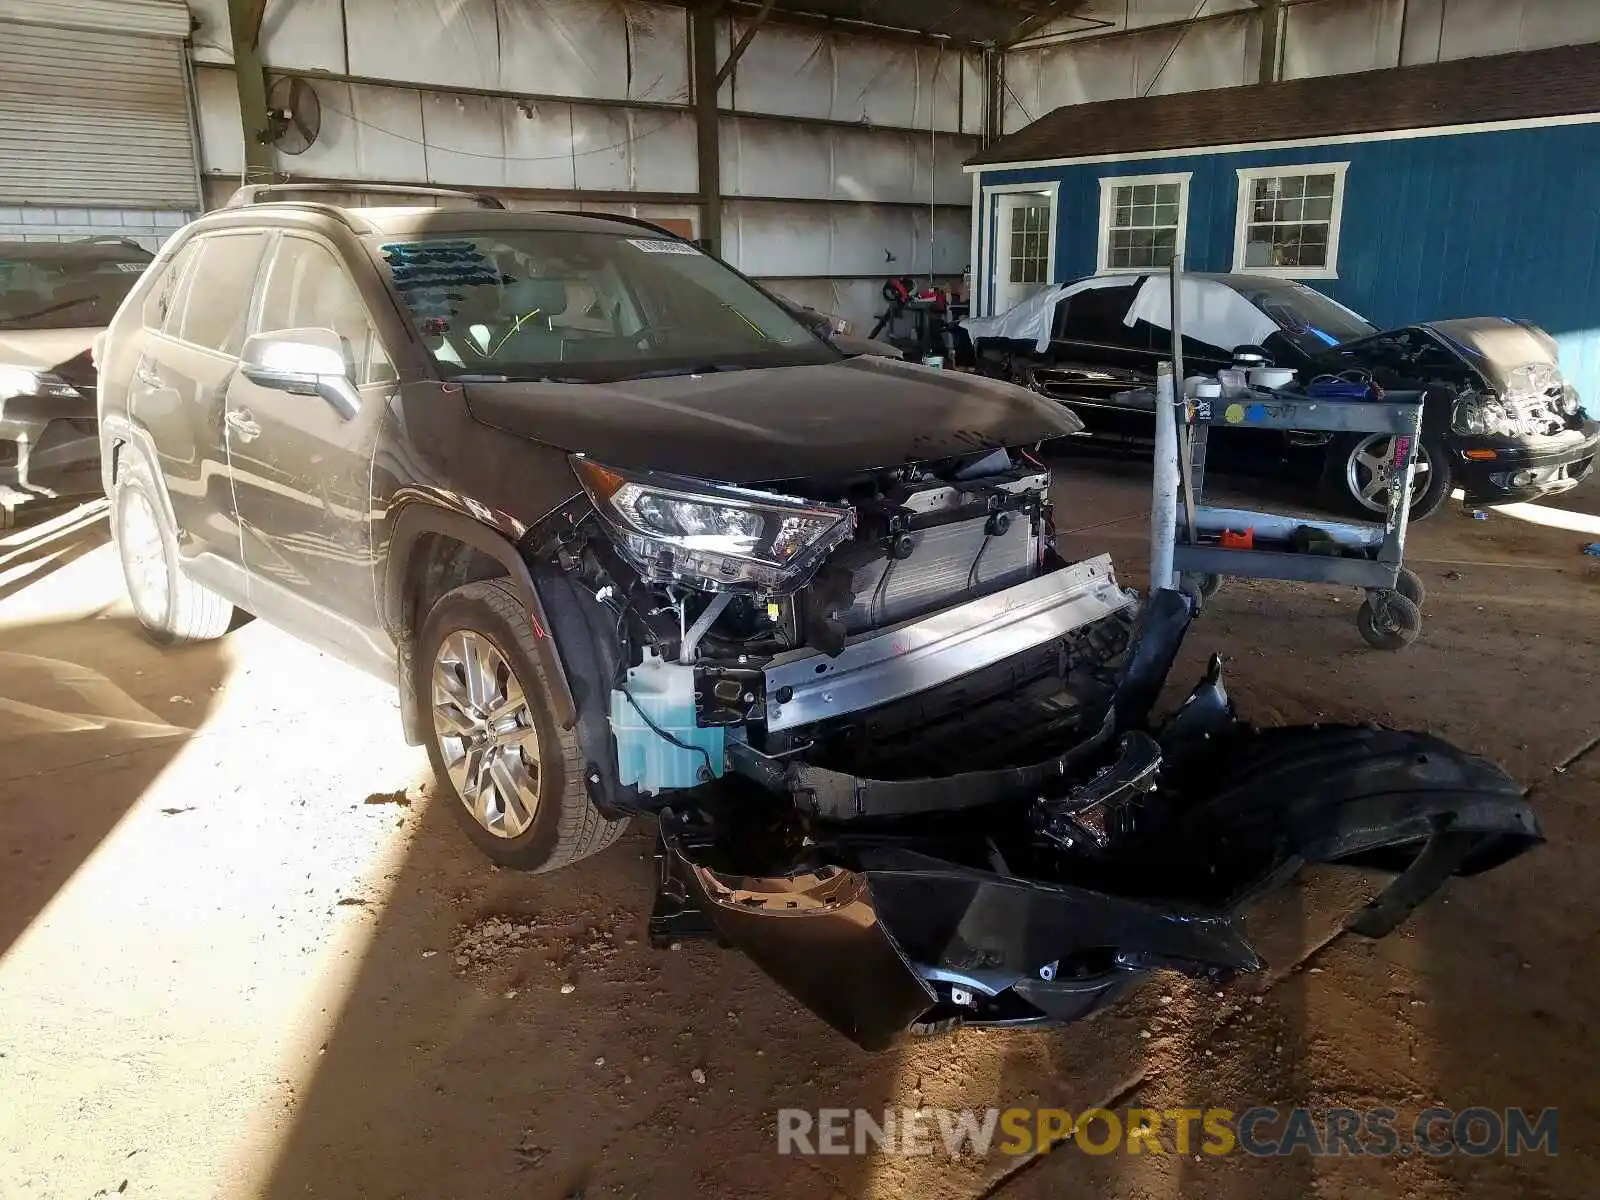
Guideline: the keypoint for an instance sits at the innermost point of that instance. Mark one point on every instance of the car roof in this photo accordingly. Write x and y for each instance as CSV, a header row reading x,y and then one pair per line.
x,y
89,249
380,222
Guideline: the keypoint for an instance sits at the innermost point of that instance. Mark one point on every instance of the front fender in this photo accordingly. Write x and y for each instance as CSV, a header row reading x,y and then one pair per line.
x,y
419,518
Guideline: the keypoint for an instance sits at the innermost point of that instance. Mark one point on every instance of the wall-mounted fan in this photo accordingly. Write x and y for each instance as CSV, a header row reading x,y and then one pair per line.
x,y
294,114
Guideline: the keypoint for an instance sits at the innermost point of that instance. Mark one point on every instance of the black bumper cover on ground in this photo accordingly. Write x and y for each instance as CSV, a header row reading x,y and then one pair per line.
x,y
897,921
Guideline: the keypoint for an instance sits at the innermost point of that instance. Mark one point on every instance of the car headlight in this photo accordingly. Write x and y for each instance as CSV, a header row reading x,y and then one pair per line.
x,y
1477,416
1468,417
1571,402
22,381
678,530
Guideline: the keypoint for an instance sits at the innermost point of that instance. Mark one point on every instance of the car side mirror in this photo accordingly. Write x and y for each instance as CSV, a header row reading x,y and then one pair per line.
x,y
302,362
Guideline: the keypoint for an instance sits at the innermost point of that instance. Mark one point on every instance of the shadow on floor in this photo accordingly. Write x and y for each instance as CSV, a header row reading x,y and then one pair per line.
x,y
87,722
489,1081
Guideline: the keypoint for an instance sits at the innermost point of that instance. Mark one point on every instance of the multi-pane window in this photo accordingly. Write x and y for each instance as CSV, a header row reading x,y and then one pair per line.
x,y
1030,244
1141,222
1289,220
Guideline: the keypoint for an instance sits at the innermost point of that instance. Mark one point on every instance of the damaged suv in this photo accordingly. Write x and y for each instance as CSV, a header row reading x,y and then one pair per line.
x,y
630,539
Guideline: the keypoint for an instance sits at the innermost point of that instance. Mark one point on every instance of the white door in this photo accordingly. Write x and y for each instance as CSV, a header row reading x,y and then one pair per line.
x,y
1022,247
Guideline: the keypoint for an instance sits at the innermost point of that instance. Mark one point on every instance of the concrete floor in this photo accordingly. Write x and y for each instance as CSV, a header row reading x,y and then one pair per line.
x,y
244,953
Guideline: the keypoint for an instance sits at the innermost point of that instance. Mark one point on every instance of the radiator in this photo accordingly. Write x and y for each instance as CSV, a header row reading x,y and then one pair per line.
x,y
940,572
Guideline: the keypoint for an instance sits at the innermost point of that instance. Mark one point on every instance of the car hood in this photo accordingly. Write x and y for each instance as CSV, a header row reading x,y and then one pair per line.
x,y
1512,357
778,423
63,351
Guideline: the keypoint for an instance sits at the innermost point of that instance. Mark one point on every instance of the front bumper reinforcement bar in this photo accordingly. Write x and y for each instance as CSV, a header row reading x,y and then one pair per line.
x,y
934,650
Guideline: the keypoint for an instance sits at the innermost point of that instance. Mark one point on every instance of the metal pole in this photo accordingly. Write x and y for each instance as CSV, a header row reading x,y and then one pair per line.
x,y
1164,487
708,158
1185,450
1176,274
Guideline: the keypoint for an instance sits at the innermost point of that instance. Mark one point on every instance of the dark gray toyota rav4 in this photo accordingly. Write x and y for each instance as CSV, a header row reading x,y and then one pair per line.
x,y
630,539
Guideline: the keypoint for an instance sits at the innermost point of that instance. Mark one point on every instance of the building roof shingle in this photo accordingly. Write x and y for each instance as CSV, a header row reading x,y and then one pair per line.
x,y
1505,87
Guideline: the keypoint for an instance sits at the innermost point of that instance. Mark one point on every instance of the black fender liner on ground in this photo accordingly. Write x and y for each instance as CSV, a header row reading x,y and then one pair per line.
x,y
418,518
865,927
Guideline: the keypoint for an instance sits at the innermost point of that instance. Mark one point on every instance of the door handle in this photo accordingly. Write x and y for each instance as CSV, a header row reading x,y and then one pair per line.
x,y
243,424
147,375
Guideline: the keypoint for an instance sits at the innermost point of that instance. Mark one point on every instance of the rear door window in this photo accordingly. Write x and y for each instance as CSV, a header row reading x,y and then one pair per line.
x,y
1095,315
224,278
166,293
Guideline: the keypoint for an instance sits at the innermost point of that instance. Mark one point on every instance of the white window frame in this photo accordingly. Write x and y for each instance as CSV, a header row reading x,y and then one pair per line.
x,y
1247,178
985,232
1108,186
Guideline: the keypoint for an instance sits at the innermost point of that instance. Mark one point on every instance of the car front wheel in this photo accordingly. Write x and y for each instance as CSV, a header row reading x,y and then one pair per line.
x,y
517,778
1358,474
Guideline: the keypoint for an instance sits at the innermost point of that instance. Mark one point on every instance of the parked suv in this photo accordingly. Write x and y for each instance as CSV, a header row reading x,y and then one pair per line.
x,y
55,298
628,538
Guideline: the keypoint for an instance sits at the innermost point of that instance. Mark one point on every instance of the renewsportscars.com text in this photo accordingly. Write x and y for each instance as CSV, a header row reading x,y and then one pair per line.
x,y
1260,1131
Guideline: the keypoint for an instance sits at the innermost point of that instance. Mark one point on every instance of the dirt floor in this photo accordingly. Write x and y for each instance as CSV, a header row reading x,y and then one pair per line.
x,y
243,952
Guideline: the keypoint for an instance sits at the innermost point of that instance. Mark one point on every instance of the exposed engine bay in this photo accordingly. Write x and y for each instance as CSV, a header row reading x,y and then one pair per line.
x,y
905,756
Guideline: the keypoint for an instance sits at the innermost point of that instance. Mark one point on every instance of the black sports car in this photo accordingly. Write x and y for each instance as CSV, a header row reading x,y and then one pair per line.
x,y
1501,422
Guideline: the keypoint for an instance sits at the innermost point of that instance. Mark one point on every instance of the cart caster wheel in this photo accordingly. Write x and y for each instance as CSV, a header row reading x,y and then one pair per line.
x,y
1199,589
1409,585
1389,621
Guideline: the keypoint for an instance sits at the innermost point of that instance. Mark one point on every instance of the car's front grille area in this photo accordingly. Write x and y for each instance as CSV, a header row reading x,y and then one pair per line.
x,y
948,563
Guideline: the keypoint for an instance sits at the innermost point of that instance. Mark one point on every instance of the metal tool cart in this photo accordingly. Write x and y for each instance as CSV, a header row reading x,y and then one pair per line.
x,y
1193,545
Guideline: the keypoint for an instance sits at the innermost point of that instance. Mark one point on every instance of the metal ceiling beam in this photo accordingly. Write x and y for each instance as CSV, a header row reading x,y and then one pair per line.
x,y
255,10
1051,10
742,45
708,145
1272,29
250,76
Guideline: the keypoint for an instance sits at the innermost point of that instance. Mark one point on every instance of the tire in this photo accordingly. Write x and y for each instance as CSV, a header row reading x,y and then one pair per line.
x,y
1392,624
1342,468
173,609
1409,584
536,760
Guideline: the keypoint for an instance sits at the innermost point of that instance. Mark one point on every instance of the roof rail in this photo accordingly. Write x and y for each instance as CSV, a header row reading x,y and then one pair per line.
x,y
268,193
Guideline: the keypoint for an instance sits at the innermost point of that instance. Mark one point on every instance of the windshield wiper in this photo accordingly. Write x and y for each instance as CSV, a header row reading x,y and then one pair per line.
x,y
693,369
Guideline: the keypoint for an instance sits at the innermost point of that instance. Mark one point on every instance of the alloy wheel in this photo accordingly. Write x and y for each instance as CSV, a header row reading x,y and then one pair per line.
x,y
1370,473
144,557
486,733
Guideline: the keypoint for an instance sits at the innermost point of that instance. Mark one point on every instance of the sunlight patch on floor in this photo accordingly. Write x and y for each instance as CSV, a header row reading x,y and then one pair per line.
x,y
171,996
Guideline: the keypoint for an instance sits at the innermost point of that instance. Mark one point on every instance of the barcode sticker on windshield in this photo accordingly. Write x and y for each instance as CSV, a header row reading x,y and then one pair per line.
x,y
662,246
126,268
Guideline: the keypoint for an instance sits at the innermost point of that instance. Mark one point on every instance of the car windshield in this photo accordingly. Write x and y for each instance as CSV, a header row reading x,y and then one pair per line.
x,y
586,307
67,288
1307,318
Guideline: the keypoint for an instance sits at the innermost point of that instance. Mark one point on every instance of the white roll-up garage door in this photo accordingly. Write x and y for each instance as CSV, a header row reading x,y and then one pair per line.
x,y
95,117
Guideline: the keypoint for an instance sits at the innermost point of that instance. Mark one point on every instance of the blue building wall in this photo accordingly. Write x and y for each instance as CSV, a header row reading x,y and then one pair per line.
x,y
1502,223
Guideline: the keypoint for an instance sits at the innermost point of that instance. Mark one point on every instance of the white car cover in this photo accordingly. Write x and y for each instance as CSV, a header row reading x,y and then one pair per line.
x,y
1032,319
1212,312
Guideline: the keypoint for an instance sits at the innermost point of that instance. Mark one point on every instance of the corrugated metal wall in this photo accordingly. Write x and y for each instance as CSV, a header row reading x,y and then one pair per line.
x,y
89,118
838,151
1114,49
1433,227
